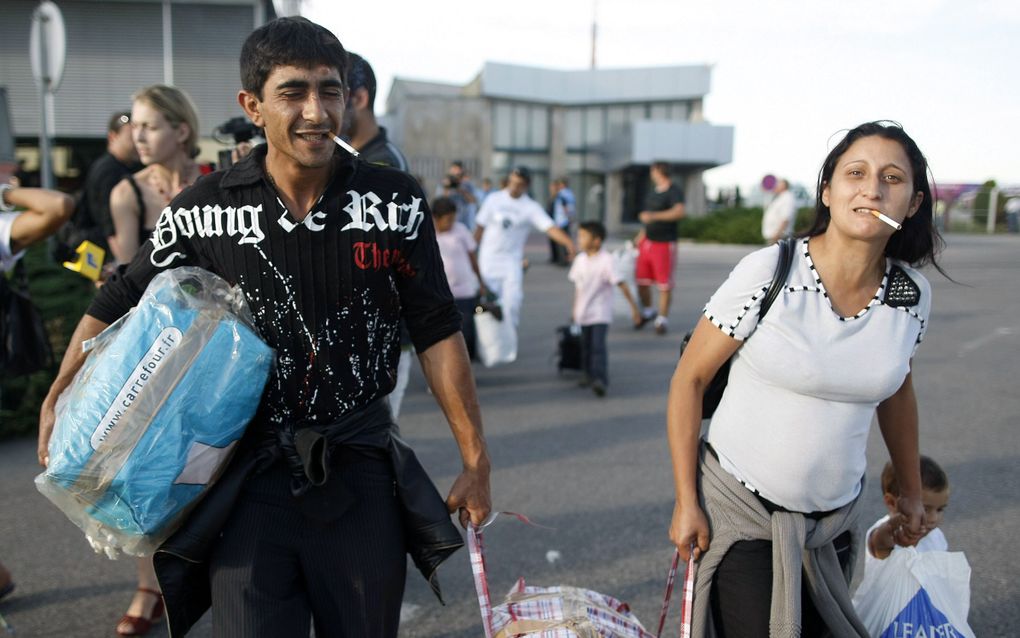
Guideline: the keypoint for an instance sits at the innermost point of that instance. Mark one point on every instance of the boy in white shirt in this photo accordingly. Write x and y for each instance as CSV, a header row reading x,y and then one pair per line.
x,y
594,276
934,495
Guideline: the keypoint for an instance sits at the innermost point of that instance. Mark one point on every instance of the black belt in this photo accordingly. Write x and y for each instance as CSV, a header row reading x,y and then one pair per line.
x,y
769,506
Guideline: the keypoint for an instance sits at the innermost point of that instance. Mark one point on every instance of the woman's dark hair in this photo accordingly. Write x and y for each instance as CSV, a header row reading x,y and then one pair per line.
x,y
292,41
919,242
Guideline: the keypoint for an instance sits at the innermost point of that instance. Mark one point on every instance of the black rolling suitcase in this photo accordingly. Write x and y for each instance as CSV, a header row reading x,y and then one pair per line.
x,y
568,348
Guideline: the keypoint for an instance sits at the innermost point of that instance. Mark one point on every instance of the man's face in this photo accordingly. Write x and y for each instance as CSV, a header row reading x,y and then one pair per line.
x,y
516,185
455,172
121,145
300,110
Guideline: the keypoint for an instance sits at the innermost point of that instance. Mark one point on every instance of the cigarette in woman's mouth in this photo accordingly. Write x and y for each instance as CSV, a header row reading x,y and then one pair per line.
x,y
344,145
892,222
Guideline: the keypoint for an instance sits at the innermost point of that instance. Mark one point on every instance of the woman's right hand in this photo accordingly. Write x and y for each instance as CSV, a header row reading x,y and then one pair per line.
x,y
689,525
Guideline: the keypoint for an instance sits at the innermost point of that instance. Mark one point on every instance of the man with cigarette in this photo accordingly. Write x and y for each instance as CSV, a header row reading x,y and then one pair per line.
x,y
312,520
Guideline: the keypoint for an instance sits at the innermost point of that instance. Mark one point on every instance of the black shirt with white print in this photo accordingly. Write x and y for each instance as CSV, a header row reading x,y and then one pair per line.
x,y
326,292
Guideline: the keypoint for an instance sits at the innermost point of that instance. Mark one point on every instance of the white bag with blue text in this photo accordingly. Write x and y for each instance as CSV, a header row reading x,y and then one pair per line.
x,y
916,594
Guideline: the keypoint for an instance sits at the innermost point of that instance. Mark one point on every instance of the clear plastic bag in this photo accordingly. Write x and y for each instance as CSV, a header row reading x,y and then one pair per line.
x,y
153,416
914,593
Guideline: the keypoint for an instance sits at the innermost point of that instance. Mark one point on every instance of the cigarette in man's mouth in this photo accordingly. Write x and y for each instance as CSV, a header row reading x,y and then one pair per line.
x,y
892,222
344,145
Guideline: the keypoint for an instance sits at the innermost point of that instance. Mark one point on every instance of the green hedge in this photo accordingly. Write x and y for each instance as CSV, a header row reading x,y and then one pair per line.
x,y
733,225
62,297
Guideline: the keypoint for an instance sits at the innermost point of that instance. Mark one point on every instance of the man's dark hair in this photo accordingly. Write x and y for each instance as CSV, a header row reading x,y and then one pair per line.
x,y
459,164
361,76
933,477
294,41
118,120
596,229
523,172
443,206
662,167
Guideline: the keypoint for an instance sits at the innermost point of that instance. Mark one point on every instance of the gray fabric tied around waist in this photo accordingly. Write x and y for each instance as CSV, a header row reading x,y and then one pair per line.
x,y
801,547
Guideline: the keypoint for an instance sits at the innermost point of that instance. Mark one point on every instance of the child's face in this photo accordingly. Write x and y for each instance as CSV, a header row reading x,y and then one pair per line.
x,y
587,242
444,222
934,507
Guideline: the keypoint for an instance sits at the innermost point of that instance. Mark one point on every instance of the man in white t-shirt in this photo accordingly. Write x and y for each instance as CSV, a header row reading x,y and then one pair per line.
x,y
780,215
501,229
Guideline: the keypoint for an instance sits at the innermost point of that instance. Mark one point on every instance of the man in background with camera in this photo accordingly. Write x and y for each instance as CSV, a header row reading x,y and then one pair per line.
x,y
91,220
457,186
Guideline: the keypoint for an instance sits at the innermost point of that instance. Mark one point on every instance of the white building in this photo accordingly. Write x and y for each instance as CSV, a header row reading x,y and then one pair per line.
x,y
600,128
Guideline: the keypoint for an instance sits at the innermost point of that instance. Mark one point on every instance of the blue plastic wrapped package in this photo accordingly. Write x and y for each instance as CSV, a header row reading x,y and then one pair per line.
x,y
152,417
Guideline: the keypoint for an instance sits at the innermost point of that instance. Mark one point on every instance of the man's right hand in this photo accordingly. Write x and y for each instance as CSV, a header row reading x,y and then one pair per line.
x,y
470,497
47,419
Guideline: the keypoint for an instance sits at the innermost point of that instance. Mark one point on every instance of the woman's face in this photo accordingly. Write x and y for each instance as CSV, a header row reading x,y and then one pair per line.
x,y
873,174
155,138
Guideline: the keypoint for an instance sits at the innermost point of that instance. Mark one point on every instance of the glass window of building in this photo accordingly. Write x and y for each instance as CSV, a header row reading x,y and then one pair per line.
x,y
521,121
573,124
637,112
594,126
502,125
539,137
616,120
661,111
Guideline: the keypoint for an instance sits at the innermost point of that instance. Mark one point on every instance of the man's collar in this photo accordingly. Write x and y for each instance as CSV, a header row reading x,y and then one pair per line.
x,y
249,170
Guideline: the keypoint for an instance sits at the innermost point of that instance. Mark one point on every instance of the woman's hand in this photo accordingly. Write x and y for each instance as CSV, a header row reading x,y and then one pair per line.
x,y
910,526
689,525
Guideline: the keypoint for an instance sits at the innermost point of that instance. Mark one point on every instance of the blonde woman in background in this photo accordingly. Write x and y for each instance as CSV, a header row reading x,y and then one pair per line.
x,y
165,133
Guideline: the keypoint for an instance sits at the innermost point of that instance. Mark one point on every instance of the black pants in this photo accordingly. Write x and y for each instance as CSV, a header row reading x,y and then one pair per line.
x,y
466,306
594,353
283,561
741,595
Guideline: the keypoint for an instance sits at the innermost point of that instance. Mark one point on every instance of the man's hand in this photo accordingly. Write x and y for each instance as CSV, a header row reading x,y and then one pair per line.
x,y
470,496
646,217
47,419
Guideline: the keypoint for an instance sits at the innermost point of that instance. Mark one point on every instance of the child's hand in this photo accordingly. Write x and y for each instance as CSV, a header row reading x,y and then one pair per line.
x,y
635,317
910,525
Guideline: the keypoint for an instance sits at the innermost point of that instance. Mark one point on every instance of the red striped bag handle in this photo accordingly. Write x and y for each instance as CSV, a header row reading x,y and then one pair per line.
x,y
688,594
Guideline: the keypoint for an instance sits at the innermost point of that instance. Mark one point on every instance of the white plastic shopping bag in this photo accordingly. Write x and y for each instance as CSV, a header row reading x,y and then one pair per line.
x,y
916,594
496,339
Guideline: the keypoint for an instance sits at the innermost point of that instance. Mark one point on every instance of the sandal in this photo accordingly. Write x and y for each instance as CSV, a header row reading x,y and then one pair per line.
x,y
140,625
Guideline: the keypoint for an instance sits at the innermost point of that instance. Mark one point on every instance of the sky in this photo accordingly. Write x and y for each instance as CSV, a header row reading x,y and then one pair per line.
x,y
788,75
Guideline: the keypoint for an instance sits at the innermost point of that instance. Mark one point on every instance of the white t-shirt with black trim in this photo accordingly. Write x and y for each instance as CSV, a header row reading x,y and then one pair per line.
x,y
793,423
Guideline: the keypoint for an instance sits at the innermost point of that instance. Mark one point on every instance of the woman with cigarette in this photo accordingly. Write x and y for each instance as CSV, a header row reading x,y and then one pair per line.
x,y
767,499
165,132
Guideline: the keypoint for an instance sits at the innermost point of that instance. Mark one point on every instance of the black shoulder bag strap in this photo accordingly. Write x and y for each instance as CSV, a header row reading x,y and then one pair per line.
x,y
779,278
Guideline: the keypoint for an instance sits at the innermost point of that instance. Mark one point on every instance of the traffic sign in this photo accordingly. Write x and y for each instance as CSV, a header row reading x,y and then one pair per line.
x,y
47,46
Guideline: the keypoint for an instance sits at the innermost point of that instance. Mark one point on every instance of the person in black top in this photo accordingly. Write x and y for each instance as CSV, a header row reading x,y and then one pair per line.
x,y
330,253
92,220
360,127
664,207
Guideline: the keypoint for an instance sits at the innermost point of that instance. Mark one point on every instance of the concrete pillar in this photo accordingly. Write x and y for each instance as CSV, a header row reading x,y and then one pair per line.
x,y
557,143
694,194
614,203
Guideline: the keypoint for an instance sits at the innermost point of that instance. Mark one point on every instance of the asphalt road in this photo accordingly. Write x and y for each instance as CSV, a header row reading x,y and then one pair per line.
x,y
595,471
